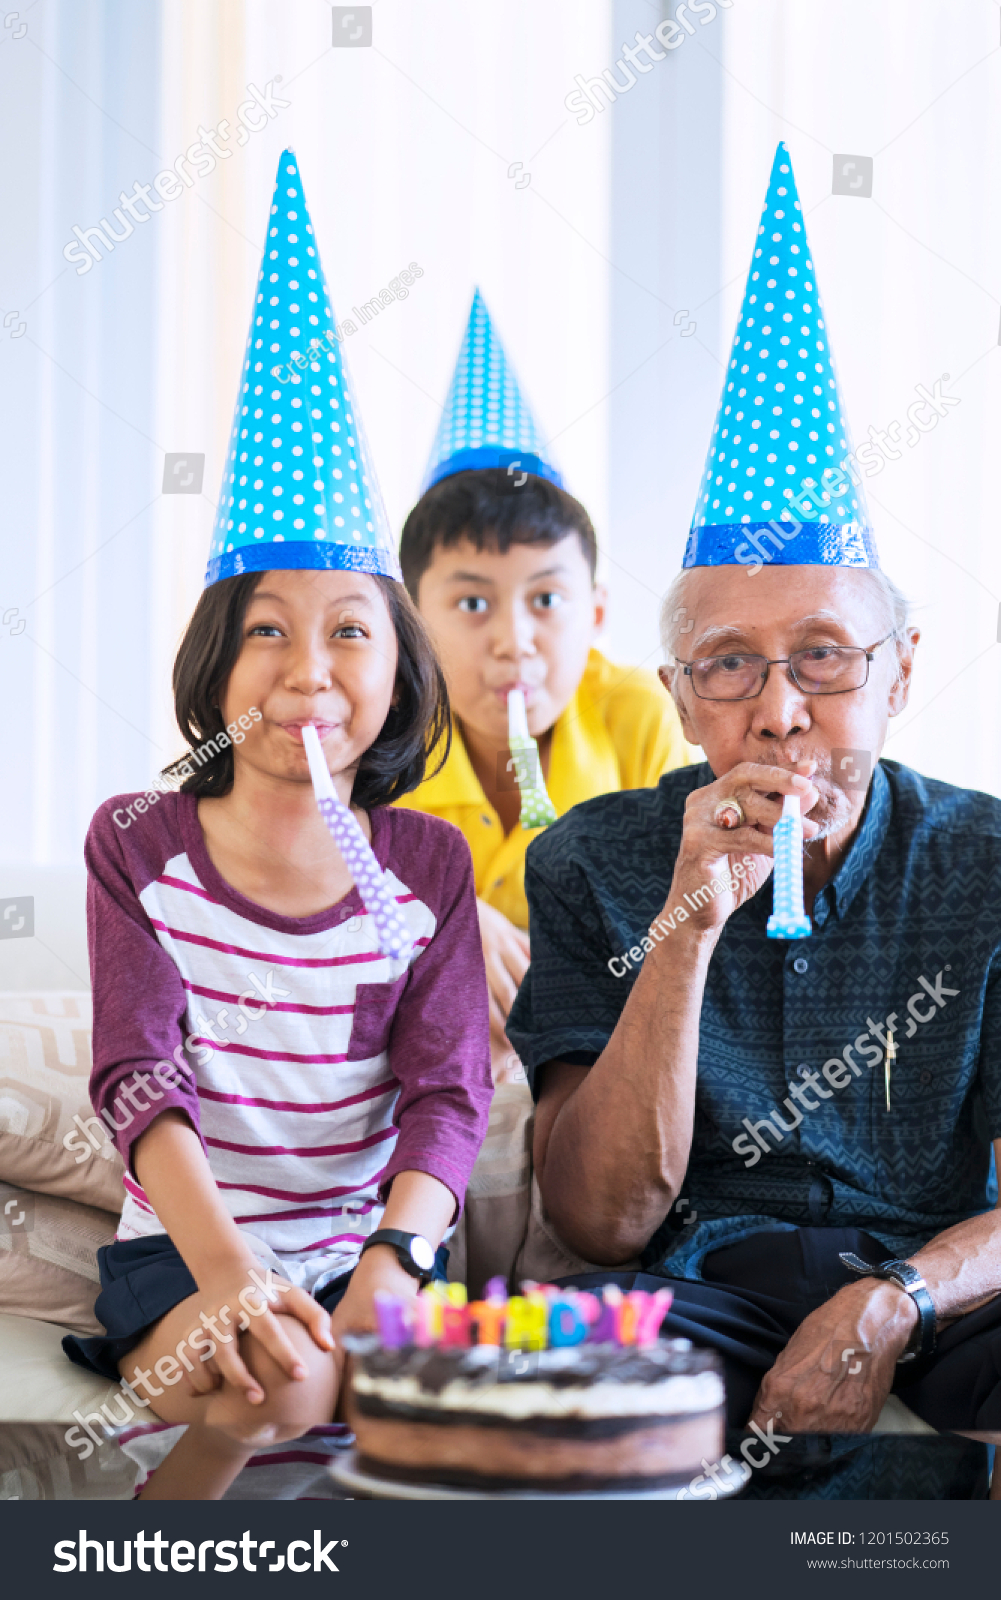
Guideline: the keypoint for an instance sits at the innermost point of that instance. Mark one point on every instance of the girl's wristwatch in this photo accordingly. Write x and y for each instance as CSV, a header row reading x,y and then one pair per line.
x,y
413,1251
922,1340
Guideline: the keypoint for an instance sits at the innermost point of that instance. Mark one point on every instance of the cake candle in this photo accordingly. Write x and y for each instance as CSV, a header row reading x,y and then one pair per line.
x,y
537,810
788,919
345,830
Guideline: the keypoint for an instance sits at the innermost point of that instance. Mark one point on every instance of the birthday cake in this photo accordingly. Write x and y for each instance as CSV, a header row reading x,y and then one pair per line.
x,y
470,1396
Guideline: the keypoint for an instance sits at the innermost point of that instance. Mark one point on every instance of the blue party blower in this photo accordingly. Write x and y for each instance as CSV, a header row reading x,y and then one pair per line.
x,y
788,919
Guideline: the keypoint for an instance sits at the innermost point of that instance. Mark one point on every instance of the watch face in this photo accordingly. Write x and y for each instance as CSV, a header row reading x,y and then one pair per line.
x,y
422,1253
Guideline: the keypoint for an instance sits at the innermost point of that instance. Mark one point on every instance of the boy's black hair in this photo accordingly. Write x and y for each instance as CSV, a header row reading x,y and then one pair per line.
x,y
397,762
491,509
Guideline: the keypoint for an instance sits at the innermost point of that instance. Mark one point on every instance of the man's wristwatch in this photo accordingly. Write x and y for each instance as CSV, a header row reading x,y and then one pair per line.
x,y
922,1340
413,1252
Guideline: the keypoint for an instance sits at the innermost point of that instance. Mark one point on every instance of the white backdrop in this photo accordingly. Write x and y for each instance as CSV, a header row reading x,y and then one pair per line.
x,y
405,150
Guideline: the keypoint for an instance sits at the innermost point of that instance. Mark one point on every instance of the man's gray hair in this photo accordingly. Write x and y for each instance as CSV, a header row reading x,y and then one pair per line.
x,y
677,622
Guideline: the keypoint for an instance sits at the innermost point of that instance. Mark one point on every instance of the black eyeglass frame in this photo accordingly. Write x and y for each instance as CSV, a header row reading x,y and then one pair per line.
x,y
869,651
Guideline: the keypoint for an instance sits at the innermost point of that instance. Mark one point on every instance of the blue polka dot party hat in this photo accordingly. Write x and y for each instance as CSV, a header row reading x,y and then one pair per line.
x,y
299,489
777,485
486,421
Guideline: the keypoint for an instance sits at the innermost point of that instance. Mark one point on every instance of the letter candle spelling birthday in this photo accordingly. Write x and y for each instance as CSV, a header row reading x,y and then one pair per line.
x,y
391,930
788,919
541,1317
537,810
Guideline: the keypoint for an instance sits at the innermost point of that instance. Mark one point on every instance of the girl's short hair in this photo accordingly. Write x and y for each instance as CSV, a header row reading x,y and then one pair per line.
x,y
417,726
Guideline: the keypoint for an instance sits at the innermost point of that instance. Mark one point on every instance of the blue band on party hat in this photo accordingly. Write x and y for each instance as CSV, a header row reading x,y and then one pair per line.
x,y
493,456
486,420
299,490
781,439
292,556
781,544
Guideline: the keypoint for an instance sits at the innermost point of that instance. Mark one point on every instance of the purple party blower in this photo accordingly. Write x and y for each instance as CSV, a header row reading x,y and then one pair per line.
x,y
377,898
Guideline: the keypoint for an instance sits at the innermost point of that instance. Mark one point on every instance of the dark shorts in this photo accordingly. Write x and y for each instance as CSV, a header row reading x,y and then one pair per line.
x,y
754,1295
143,1279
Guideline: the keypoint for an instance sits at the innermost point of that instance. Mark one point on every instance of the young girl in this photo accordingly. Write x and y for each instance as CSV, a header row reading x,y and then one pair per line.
x,y
226,935
298,1112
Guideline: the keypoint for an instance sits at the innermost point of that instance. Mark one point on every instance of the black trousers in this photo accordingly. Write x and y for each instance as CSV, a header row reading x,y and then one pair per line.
x,y
756,1293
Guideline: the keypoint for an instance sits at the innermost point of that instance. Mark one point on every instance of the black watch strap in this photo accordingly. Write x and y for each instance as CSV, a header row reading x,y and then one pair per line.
x,y
922,1342
413,1251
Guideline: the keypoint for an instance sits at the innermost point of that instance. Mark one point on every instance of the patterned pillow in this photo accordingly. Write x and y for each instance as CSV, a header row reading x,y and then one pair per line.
x,y
50,1139
48,1258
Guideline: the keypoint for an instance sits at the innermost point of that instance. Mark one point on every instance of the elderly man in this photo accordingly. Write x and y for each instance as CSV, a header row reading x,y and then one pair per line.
x,y
797,1135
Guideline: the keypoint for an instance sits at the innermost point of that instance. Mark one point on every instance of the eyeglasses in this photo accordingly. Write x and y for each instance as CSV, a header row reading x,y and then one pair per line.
x,y
824,669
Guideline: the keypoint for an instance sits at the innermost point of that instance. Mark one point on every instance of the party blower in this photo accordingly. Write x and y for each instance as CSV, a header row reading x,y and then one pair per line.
x,y
537,810
370,880
788,919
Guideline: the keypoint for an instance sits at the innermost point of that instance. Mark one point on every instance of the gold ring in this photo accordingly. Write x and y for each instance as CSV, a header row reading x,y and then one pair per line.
x,y
729,814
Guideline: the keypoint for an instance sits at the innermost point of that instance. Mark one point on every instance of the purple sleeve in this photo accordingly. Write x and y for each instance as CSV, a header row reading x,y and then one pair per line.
x,y
439,1045
139,999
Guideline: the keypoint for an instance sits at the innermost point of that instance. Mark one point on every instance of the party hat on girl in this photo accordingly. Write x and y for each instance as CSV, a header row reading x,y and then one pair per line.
x,y
486,421
780,484
299,489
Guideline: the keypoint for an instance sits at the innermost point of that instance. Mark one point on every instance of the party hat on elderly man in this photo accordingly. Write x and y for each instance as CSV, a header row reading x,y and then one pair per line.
x,y
299,489
778,485
486,421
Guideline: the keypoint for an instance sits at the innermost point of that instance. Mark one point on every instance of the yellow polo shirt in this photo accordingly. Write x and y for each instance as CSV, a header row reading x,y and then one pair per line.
x,y
620,731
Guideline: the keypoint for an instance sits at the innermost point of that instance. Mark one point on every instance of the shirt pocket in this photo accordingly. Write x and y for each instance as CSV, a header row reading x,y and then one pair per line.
x,y
374,1015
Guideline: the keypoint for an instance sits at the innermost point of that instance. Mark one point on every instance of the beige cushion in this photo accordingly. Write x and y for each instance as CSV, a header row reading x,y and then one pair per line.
x,y
38,1382
44,1074
39,1392
48,1257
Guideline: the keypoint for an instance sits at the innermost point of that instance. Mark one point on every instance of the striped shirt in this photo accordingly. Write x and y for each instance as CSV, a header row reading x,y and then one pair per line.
x,y
313,1067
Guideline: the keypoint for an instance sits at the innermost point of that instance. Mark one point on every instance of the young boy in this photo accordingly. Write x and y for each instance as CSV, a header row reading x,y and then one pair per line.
x,y
501,560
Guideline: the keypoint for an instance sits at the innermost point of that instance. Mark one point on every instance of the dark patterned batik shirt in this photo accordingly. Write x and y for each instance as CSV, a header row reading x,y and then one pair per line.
x,y
791,1121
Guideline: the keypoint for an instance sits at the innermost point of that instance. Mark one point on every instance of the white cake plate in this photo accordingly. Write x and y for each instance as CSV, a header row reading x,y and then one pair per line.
x,y
347,1473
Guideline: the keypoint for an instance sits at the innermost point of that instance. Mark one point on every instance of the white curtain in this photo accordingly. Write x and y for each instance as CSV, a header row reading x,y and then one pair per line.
x,y
405,149
409,151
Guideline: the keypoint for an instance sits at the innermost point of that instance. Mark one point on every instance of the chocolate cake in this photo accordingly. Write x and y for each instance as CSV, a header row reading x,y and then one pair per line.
x,y
562,1420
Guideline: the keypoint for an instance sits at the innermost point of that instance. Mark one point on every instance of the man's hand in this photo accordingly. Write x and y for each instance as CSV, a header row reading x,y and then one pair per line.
x,y
836,1371
506,954
707,850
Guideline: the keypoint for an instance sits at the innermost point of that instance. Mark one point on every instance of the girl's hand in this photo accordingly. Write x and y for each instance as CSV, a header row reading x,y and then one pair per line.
x,y
378,1268
232,1303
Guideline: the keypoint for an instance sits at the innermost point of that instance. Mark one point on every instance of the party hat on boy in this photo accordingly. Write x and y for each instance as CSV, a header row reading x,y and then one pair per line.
x,y
778,484
299,488
486,421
